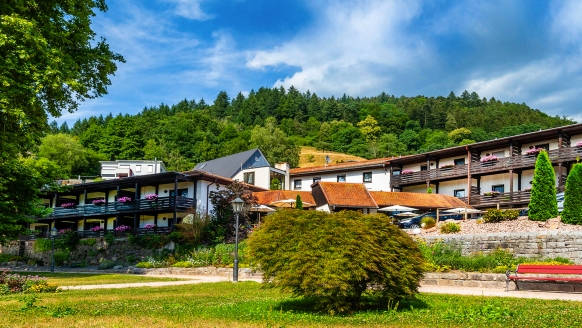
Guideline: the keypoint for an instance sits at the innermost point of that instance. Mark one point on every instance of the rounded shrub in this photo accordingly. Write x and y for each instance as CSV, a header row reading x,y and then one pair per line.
x,y
572,212
543,204
450,227
428,222
333,259
495,215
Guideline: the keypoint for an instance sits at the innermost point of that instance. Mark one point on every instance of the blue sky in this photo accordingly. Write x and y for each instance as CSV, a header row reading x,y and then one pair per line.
x,y
519,51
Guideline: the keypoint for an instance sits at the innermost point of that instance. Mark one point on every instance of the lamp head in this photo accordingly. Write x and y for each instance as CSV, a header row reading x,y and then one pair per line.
x,y
237,205
54,231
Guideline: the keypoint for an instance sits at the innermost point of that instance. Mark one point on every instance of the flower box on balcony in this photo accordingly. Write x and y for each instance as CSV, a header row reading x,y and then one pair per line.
x,y
492,193
490,158
579,144
447,166
149,226
151,197
124,200
405,172
123,228
99,202
69,205
97,229
534,151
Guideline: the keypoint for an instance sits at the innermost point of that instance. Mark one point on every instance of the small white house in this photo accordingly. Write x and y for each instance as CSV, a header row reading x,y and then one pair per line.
x,y
130,168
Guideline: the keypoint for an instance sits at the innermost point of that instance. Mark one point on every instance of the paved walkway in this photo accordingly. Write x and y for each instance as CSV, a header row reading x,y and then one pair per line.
x,y
191,280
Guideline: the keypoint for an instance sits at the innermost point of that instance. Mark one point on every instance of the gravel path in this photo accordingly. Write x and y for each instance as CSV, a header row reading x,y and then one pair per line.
x,y
522,224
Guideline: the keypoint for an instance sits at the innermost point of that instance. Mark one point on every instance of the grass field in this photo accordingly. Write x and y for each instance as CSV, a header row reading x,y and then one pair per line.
x,y
319,157
75,279
247,304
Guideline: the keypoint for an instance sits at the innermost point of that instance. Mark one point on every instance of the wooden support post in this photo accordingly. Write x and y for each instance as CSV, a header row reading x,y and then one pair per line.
x,y
84,224
174,219
156,221
84,196
519,180
511,182
469,182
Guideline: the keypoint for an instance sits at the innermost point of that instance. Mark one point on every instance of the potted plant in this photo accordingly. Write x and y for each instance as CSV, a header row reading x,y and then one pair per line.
x,y
151,197
489,158
99,202
123,228
97,229
68,205
124,199
149,226
534,151
447,166
492,193
579,144
406,172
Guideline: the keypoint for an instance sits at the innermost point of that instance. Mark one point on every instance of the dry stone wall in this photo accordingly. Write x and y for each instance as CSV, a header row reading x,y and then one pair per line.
x,y
542,244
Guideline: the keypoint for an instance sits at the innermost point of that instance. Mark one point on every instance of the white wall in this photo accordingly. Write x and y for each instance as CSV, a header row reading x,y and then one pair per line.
x,y
449,187
380,179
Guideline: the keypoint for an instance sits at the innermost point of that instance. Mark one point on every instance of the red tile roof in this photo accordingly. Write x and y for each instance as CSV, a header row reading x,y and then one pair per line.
x,y
339,166
417,200
267,197
342,194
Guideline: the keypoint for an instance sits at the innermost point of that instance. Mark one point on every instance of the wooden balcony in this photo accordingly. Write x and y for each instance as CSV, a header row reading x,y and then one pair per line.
x,y
101,234
113,208
504,199
564,155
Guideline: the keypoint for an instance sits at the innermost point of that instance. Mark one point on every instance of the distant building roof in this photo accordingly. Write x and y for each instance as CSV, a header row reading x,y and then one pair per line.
x,y
342,194
267,197
378,162
421,201
229,166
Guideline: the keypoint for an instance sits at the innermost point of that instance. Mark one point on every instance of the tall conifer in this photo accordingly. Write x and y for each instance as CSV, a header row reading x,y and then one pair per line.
x,y
573,197
543,204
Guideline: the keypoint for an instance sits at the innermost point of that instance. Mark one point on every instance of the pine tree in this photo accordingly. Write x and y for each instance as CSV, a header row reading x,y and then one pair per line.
x,y
543,204
298,202
572,213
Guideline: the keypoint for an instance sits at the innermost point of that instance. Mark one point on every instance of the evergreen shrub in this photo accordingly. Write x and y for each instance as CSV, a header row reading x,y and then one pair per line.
x,y
334,258
543,204
450,227
572,213
495,215
428,222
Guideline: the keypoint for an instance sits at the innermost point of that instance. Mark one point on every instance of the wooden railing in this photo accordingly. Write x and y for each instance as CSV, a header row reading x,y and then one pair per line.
x,y
163,203
568,154
507,198
101,234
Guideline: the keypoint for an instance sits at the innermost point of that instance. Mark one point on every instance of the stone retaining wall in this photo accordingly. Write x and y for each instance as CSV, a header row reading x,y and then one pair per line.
x,y
542,244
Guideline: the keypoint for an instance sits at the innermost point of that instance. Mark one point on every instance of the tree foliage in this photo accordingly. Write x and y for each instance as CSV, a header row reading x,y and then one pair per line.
x,y
572,212
543,204
335,258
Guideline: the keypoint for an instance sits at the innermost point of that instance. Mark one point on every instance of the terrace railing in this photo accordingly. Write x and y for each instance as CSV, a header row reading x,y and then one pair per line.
x,y
507,198
142,205
98,234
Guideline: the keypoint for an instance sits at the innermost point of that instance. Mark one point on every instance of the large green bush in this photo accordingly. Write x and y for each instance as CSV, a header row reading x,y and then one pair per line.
x,y
572,212
543,204
495,215
334,258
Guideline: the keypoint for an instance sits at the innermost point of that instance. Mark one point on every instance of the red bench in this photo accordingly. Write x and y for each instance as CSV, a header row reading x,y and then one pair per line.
x,y
547,270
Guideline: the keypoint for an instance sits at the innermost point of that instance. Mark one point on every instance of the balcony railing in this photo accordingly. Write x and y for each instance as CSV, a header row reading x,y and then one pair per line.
x,y
568,154
507,198
93,234
163,203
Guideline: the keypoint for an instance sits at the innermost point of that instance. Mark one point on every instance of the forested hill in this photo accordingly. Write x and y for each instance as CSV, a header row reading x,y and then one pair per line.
x,y
279,120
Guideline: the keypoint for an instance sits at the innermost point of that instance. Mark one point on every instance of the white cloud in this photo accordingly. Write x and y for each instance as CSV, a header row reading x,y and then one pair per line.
x,y
351,49
566,22
190,9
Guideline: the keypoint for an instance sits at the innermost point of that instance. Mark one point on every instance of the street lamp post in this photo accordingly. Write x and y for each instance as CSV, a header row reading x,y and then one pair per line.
x,y
237,205
53,234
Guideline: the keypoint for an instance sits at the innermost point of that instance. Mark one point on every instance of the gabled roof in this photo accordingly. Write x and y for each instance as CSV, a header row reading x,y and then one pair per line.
x,y
267,197
342,194
417,200
378,162
229,166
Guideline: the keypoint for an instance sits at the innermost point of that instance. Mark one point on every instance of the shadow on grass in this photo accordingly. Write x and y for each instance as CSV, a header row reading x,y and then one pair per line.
x,y
368,304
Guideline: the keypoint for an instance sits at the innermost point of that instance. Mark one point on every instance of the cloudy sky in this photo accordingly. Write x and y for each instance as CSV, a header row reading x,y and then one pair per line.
x,y
519,51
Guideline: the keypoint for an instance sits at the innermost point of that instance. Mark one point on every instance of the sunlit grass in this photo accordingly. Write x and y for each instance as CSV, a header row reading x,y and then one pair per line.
x,y
247,304
76,279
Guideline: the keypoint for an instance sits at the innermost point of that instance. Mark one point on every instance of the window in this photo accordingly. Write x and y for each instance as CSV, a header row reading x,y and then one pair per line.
x,y
544,146
367,177
499,154
138,168
150,168
341,178
459,193
459,161
423,167
396,173
316,179
499,188
122,175
297,184
108,175
249,178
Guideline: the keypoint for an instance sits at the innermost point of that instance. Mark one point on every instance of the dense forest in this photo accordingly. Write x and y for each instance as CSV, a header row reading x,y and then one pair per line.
x,y
279,121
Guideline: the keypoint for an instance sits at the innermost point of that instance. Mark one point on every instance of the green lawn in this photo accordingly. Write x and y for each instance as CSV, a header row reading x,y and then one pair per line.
x,y
247,304
76,279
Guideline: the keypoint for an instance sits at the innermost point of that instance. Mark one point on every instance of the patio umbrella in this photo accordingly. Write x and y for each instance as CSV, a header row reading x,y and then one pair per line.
x,y
289,203
406,214
261,209
398,208
459,210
